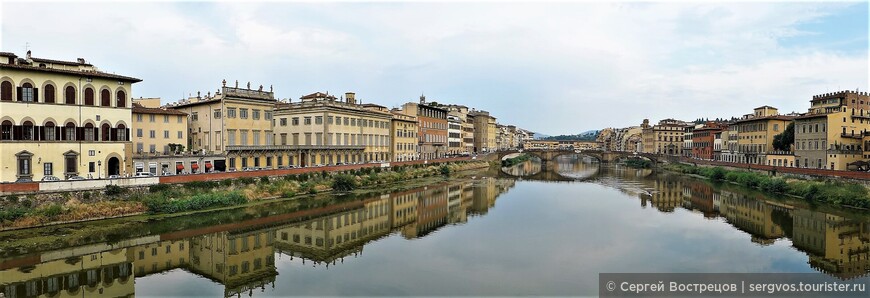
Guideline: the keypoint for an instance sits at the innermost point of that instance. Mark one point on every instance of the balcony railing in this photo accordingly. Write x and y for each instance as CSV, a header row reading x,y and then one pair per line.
x,y
844,151
852,135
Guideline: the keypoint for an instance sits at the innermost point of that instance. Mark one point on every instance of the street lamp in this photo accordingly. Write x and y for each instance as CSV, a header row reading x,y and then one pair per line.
x,y
99,169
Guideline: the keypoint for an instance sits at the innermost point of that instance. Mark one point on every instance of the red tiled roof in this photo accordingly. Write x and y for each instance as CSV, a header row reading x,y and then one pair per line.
x,y
58,61
317,95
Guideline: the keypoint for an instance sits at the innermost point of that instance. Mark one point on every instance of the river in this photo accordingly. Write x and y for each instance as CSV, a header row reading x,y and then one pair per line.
x,y
532,229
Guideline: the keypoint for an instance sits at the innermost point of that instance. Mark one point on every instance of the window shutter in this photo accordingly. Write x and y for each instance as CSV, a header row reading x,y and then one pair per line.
x,y
38,133
18,93
127,135
16,132
35,94
80,133
58,133
113,134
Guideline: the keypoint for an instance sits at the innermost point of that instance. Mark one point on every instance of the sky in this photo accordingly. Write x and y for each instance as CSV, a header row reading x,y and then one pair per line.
x,y
552,68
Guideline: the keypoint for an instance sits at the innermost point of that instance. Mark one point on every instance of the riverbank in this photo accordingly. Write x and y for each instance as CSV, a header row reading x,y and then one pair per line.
x,y
509,162
836,193
18,212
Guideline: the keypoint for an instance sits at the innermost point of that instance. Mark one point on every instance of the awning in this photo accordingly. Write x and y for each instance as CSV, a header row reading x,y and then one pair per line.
x,y
208,165
179,167
194,166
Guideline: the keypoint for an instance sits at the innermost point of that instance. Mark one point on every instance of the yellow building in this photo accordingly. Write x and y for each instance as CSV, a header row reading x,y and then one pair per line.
x,y
755,134
235,123
324,130
666,137
484,132
831,134
404,140
159,257
159,139
836,245
241,260
62,119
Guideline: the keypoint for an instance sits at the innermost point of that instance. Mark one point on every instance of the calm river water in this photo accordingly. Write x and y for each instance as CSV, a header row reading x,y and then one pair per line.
x,y
526,230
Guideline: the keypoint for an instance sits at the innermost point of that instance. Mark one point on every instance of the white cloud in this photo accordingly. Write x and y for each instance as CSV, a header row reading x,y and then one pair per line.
x,y
569,60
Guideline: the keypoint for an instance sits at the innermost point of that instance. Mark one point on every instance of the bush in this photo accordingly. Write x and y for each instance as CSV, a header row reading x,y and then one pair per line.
x,y
10,214
775,185
226,182
114,190
264,179
445,170
717,173
159,188
344,182
51,211
202,185
197,202
245,181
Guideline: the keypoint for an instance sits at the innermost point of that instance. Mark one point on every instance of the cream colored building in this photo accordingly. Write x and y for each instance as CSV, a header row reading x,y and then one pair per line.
x,y
62,119
484,132
321,129
831,134
99,274
755,134
666,137
160,139
235,124
404,140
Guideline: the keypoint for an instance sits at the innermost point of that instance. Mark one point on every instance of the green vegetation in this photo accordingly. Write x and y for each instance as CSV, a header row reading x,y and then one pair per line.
x,y
162,204
344,182
515,161
784,140
585,136
114,190
638,163
829,192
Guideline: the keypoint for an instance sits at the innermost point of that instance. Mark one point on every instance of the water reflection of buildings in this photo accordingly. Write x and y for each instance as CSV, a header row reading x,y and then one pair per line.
x,y
241,255
835,244
752,215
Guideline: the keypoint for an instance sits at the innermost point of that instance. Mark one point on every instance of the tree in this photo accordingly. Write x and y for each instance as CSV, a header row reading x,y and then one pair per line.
x,y
784,140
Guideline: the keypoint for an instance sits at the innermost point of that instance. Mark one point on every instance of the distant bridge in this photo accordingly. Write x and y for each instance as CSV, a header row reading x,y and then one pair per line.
x,y
602,156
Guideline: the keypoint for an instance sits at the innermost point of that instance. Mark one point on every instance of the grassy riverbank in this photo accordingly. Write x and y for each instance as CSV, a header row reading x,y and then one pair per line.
x,y
515,160
18,212
828,192
638,163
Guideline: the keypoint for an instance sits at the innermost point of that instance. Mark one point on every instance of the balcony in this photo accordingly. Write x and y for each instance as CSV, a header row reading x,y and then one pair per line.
x,y
845,151
856,136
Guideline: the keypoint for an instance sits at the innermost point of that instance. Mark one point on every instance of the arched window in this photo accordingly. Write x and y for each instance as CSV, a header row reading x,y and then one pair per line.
x,y
105,99
27,132
69,96
122,99
50,132
122,132
6,91
48,93
89,96
105,129
89,132
69,131
27,93
6,130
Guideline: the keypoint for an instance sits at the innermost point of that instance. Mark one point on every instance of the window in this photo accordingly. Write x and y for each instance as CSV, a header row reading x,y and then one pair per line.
x,y
165,134
318,120
152,148
49,134
283,121
180,134
152,134
231,137
48,93
256,137
71,161
307,120
6,91
138,132
268,115
255,114
122,133
243,113
295,120
244,136
165,118
217,113
231,112
105,99
27,93
69,96
27,132
24,164
121,99
151,118
6,130
194,116
47,169
70,131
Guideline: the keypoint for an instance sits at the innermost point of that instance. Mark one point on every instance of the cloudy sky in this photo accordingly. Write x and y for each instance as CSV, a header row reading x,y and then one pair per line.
x,y
554,68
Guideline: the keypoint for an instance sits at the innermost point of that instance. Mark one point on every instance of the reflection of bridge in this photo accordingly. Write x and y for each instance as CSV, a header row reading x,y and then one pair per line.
x,y
602,156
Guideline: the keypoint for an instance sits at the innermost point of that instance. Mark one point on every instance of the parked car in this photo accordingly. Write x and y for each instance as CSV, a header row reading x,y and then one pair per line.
x,y
75,178
24,179
114,176
50,178
144,174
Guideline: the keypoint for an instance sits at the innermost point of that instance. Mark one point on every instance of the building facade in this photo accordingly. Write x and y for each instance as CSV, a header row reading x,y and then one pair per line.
x,y
484,132
234,124
322,130
404,140
62,119
160,139
756,132
432,128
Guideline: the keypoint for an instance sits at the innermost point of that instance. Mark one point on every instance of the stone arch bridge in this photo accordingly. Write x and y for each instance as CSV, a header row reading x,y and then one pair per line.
x,y
602,156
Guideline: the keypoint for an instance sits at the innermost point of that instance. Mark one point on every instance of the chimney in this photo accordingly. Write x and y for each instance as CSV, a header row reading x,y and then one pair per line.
x,y
350,97
28,54
81,60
